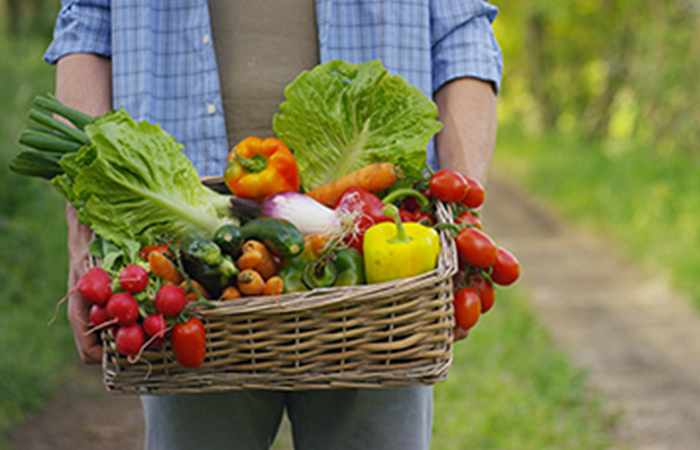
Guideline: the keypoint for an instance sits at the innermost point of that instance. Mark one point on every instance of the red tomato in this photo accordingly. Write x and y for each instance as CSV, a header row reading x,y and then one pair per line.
x,y
448,186
475,194
424,218
486,292
189,343
145,251
467,308
406,215
476,248
506,269
411,203
468,218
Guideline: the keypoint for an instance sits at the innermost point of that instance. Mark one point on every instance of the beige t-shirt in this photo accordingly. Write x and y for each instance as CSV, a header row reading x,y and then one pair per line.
x,y
261,46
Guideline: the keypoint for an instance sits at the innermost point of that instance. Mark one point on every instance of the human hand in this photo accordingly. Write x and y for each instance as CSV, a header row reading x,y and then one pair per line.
x,y
88,345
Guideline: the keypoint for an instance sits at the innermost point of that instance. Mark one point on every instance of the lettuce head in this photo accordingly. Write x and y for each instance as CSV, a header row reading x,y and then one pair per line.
x,y
340,117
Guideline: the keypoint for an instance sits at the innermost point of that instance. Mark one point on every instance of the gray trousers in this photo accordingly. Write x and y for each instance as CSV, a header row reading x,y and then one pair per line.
x,y
338,419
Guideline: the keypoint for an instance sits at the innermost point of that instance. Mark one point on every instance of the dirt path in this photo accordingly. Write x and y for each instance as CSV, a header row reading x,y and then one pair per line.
x,y
639,340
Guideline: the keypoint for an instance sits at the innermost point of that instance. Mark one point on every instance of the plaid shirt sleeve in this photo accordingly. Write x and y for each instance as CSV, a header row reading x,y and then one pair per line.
x,y
81,27
464,44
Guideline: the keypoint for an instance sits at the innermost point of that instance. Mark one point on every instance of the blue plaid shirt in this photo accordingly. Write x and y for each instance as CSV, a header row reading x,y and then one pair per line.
x,y
164,66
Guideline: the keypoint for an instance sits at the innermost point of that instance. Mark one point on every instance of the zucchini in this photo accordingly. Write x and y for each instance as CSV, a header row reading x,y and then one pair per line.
x,y
204,262
201,250
228,238
278,235
214,278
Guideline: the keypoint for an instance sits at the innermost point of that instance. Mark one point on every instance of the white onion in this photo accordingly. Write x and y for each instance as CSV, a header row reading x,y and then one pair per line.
x,y
308,215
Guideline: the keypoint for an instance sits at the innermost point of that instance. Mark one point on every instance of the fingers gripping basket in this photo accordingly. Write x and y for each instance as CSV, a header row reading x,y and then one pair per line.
x,y
389,334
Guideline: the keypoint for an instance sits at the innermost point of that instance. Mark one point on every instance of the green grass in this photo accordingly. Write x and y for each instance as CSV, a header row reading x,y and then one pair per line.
x,y
509,388
646,201
35,357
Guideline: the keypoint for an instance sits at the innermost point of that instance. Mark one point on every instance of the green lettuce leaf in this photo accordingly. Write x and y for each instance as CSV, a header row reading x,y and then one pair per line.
x,y
133,183
339,117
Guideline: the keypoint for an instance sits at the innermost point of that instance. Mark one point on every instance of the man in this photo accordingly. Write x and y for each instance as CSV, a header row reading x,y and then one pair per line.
x,y
202,69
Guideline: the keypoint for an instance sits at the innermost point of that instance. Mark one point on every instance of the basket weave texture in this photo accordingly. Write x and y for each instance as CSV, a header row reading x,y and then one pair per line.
x,y
382,335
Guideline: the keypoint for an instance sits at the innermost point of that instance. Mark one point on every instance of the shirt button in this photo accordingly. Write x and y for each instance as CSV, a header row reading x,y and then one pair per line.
x,y
211,109
206,38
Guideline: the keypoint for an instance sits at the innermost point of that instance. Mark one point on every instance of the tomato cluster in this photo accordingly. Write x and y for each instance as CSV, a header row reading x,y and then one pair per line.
x,y
482,263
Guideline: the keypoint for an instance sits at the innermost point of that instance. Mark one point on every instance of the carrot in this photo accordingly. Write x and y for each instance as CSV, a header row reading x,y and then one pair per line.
x,y
191,294
273,286
249,259
374,178
250,252
319,242
231,293
164,268
250,282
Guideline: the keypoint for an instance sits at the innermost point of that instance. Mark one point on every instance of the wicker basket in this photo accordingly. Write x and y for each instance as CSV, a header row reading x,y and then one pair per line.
x,y
389,334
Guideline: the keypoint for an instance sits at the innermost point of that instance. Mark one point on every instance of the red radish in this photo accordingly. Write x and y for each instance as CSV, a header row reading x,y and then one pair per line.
x,y
133,278
98,315
155,328
170,300
123,308
95,286
130,339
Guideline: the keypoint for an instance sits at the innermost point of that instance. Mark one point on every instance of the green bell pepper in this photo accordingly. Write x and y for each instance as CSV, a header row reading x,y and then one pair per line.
x,y
308,270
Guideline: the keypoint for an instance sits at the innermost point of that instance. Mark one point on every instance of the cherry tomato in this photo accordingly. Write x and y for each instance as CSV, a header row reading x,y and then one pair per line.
x,y
145,251
506,268
487,293
424,218
189,343
406,215
467,218
467,307
448,186
476,248
411,203
475,194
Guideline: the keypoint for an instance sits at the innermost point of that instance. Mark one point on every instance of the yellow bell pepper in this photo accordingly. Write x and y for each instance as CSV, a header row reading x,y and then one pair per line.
x,y
395,250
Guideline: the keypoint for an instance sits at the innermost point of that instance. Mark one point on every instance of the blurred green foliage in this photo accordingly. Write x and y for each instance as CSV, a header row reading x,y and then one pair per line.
x,y
646,206
608,69
33,269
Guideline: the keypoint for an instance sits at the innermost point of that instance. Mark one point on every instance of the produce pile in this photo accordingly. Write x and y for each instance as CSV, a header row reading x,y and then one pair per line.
x,y
341,197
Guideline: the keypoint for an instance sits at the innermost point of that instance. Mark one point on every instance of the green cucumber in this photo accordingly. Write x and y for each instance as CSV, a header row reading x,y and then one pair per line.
x,y
228,238
201,250
278,235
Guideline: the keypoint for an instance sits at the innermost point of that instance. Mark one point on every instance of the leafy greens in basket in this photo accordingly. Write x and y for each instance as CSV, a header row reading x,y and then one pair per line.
x,y
129,181
340,116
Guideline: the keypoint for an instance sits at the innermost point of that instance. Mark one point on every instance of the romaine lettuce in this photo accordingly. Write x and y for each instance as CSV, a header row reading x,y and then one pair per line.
x,y
133,183
340,116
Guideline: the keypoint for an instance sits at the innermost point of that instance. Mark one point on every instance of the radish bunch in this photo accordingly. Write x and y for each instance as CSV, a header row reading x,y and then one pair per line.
x,y
137,305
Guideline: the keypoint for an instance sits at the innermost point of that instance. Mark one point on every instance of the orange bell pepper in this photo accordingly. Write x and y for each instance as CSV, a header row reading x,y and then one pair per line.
x,y
258,168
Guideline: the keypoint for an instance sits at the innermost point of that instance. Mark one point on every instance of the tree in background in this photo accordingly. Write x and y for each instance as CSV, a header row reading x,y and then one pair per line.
x,y
29,16
604,68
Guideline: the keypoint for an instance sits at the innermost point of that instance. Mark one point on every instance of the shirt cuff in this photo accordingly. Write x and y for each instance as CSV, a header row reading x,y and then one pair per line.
x,y
81,27
469,50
